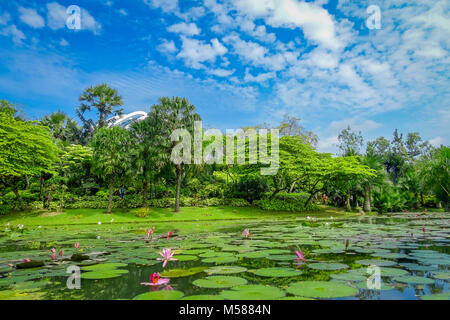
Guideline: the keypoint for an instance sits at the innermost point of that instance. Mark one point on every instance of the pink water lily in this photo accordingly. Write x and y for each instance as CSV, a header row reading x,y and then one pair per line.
x,y
246,233
166,256
155,280
423,229
26,260
150,233
53,256
169,234
53,250
77,245
300,256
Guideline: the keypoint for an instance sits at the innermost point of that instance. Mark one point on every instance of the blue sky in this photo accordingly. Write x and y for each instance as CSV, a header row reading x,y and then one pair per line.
x,y
240,62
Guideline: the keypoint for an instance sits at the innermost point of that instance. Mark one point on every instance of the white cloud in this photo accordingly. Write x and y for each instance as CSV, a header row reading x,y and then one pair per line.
x,y
189,29
195,52
328,144
31,17
4,18
57,17
437,141
64,43
167,46
221,72
16,35
123,12
165,5
259,78
316,23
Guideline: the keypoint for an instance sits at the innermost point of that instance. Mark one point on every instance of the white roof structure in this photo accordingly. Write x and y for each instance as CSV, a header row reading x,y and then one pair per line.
x,y
126,120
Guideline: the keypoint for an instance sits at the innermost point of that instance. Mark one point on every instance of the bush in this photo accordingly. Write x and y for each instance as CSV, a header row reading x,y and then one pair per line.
x,y
293,205
213,202
236,202
142,212
4,209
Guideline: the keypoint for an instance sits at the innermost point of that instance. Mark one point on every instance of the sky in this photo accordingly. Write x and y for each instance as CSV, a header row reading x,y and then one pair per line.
x,y
240,62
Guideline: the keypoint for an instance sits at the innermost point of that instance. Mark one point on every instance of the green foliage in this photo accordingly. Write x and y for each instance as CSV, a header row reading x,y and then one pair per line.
x,y
294,205
142,212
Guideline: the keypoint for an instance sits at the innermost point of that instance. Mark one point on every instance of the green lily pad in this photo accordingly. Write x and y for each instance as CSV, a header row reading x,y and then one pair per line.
x,y
321,289
444,275
186,257
376,262
160,295
414,280
103,267
363,285
178,273
103,274
219,282
327,266
253,255
281,257
348,277
437,296
276,272
253,292
225,270
203,297
220,260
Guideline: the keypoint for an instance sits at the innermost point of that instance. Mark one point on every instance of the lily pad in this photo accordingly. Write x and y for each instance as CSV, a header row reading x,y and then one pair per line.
x,y
160,295
327,266
178,273
203,297
348,277
225,270
414,280
219,282
253,292
321,289
376,262
220,260
276,272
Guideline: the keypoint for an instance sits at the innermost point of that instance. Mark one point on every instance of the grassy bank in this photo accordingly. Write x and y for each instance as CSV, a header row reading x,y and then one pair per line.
x,y
93,216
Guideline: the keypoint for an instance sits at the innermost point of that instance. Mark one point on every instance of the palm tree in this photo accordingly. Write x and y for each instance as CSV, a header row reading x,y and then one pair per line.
x,y
102,98
149,155
175,113
373,162
112,150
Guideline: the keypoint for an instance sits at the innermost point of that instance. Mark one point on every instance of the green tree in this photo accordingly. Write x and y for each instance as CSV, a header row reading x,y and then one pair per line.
x,y
104,100
150,155
175,113
26,150
437,174
112,150
63,128
350,142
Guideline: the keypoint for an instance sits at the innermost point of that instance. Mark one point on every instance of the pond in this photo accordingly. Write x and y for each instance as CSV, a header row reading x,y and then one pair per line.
x,y
215,260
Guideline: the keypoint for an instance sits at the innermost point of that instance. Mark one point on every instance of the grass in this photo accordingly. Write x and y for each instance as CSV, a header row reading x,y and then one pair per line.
x,y
93,216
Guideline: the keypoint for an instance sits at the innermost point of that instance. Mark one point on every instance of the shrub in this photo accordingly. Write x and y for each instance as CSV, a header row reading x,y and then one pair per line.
x,y
236,202
294,205
142,212
213,202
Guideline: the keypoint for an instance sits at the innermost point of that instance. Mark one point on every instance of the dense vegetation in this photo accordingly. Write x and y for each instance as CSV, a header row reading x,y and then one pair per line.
x,y
55,163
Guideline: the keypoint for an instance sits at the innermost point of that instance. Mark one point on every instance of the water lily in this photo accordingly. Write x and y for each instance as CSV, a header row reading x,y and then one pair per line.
x,y
150,233
246,233
308,218
27,260
77,245
61,253
169,234
314,219
166,256
423,229
53,256
53,250
300,256
155,280
99,222
20,226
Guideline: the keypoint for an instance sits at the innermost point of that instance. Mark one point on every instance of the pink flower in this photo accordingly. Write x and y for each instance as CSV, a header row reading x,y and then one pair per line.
x,y
246,233
155,280
150,233
170,233
53,250
77,245
300,256
53,257
26,260
61,253
423,229
167,255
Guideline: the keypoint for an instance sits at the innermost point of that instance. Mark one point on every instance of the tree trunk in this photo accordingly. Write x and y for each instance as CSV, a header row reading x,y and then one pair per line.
x,y
144,194
291,189
347,202
177,197
19,198
366,199
422,202
111,191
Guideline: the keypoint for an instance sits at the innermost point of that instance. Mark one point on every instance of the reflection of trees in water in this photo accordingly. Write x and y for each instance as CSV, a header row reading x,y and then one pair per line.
x,y
370,295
